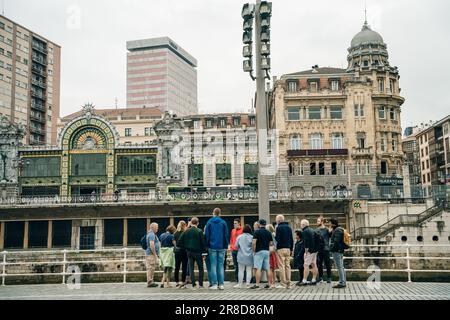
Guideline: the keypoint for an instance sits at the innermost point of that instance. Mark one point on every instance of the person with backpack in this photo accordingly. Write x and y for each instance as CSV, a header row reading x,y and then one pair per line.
x,y
193,241
151,245
310,257
323,256
217,239
337,248
285,245
299,254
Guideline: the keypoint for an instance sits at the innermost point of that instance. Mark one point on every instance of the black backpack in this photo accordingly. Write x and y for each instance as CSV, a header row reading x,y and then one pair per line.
x,y
144,242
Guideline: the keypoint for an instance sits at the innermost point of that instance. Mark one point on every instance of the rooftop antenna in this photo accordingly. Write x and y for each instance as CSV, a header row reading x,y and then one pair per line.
x,y
116,101
365,14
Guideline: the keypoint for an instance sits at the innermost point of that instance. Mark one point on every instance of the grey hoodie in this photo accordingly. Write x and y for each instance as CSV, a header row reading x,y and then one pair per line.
x,y
245,250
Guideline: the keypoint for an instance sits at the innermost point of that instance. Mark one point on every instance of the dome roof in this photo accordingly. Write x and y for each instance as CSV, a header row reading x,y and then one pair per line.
x,y
367,35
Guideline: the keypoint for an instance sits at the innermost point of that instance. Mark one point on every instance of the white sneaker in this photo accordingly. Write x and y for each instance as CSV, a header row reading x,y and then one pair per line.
x,y
238,286
221,288
213,287
279,286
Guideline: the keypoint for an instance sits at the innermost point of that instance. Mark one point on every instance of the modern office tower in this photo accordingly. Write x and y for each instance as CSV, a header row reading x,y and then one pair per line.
x,y
29,81
161,74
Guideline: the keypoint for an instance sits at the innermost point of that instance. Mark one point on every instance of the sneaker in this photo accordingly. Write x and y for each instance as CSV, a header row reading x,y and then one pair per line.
x,y
279,286
213,287
254,287
194,288
183,286
237,286
304,284
267,286
339,286
161,285
313,283
152,285
329,281
221,287
247,286
201,287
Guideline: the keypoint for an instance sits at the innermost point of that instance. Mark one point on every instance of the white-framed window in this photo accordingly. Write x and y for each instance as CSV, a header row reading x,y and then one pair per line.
x,y
314,113
316,142
301,171
295,142
382,112
381,84
335,85
361,140
367,167
293,113
196,124
392,86
343,168
394,142
337,141
336,112
292,86
359,111
393,114
358,168
128,132
383,142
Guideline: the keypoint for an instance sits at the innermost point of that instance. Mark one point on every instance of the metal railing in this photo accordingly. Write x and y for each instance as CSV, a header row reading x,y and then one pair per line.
x,y
399,221
127,256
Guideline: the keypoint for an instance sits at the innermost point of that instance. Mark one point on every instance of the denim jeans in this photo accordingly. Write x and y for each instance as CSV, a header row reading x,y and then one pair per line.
x,y
216,259
235,265
339,261
194,257
208,268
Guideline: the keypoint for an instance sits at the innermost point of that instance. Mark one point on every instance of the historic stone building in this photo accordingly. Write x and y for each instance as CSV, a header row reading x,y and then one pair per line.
x,y
340,128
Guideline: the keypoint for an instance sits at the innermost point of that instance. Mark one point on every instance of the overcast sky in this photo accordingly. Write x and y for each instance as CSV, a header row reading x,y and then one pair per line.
x,y
304,33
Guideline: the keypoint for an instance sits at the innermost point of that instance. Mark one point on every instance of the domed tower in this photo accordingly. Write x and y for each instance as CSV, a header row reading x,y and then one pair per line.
x,y
367,51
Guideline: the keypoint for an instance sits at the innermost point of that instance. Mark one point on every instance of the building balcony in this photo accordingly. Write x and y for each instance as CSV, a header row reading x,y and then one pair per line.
x,y
317,153
34,94
39,60
37,119
363,152
37,106
38,71
37,131
39,48
39,84
306,94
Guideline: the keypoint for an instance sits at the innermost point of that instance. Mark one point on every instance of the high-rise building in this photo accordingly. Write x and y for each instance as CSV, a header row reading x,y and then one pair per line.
x,y
161,74
29,81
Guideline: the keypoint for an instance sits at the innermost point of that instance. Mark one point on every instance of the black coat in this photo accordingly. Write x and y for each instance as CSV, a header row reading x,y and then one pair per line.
x,y
283,236
309,241
337,240
299,254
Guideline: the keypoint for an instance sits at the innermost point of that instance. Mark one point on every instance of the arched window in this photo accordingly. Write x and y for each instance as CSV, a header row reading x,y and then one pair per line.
x,y
295,142
316,141
337,141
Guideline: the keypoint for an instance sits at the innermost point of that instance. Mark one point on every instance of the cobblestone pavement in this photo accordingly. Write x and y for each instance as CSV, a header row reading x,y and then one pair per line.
x,y
138,291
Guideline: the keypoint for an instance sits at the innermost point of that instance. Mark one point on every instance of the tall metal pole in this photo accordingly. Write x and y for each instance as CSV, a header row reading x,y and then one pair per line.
x,y
261,123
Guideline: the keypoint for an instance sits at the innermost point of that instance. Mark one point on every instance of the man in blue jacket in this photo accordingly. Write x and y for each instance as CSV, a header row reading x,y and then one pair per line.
x,y
217,239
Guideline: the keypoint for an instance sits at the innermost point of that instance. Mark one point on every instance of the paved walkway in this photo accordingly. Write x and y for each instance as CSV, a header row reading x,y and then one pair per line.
x,y
138,291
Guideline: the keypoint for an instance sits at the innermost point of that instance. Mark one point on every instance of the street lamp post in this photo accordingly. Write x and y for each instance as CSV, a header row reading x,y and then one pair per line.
x,y
261,14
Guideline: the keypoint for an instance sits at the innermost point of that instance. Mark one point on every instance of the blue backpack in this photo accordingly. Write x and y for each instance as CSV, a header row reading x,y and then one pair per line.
x,y
144,242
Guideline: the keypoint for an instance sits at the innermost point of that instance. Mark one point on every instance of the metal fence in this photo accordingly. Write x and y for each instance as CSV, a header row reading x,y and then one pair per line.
x,y
67,259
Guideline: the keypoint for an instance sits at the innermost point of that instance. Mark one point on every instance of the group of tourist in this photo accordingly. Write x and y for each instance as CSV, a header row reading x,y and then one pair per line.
x,y
265,249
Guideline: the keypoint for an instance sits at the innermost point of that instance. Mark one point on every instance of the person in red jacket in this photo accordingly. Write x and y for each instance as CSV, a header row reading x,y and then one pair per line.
x,y
236,232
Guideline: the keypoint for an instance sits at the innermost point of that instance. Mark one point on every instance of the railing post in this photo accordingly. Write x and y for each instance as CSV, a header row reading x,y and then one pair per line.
x,y
408,263
4,268
124,265
64,266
